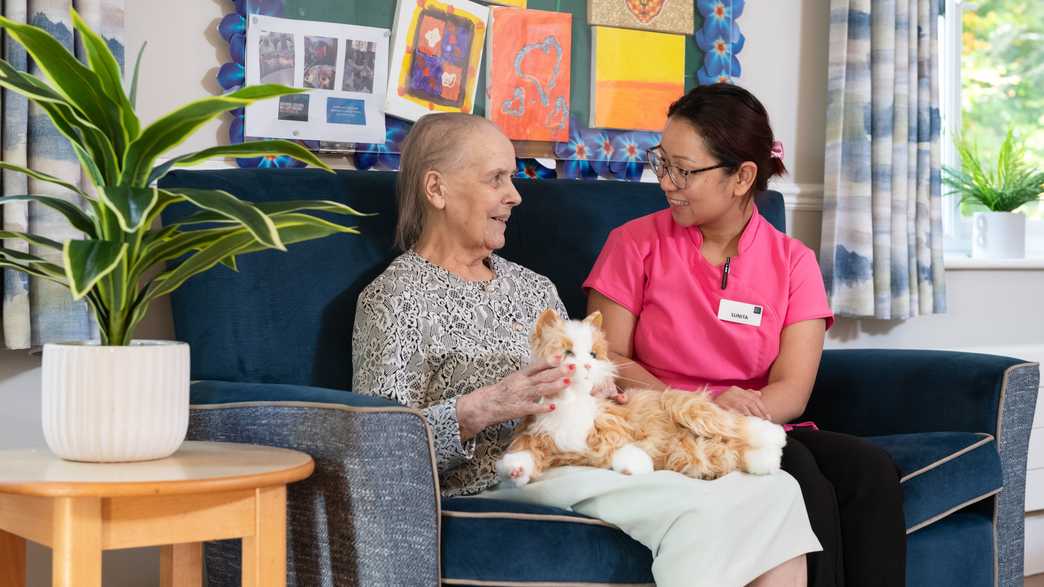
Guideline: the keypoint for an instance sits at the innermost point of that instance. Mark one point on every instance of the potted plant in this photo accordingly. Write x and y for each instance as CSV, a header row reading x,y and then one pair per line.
x,y
994,195
118,399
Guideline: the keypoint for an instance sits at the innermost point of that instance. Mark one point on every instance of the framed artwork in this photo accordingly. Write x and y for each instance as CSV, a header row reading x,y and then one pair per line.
x,y
528,73
436,53
665,16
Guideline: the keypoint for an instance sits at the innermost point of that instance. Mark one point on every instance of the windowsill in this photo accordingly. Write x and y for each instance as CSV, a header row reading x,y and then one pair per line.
x,y
957,262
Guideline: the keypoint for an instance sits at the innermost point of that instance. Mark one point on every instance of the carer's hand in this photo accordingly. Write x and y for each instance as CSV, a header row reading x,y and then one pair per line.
x,y
744,401
515,396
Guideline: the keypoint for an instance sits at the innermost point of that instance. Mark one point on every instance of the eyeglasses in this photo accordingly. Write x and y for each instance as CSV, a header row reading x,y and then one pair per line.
x,y
679,177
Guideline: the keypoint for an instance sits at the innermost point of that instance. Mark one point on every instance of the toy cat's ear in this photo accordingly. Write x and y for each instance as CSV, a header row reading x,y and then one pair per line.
x,y
546,320
594,318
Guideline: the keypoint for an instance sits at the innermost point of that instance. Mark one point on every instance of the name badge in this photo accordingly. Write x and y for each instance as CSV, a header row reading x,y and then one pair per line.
x,y
740,313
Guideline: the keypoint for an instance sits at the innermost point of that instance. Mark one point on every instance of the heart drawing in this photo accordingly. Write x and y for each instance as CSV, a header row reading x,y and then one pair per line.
x,y
516,105
646,10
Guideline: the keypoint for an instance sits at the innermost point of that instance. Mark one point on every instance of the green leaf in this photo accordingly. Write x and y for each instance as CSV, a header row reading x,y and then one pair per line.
x,y
134,80
42,177
105,66
87,261
32,239
275,209
15,255
131,205
80,86
76,217
179,244
27,85
47,271
172,129
230,262
229,206
248,149
91,145
205,259
294,228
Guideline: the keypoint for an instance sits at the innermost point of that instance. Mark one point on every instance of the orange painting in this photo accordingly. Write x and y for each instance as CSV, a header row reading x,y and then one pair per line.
x,y
528,75
636,76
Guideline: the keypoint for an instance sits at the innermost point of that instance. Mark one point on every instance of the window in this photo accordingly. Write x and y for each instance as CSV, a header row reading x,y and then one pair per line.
x,y
991,61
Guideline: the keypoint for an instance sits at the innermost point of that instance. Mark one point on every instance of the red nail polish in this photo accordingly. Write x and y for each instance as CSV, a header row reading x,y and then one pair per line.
x,y
571,367
566,381
551,408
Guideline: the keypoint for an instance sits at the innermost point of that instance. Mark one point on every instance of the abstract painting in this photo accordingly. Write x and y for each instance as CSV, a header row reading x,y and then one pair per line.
x,y
665,16
528,73
635,77
437,48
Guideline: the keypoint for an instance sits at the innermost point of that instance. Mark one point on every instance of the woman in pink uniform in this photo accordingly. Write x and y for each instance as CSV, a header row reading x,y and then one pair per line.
x,y
708,294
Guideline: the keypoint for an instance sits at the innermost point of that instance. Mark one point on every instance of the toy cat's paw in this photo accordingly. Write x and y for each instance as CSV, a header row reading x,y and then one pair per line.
x,y
766,446
631,460
516,467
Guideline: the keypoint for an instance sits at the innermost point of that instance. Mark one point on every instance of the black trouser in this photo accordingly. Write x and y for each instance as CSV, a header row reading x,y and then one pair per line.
x,y
851,491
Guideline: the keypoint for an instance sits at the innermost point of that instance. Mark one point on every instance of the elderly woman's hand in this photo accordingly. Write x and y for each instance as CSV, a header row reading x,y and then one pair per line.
x,y
744,401
517,395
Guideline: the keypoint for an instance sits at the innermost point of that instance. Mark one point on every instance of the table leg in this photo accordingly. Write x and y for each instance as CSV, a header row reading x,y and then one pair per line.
x,y
264,553
77,552
12,560
181,565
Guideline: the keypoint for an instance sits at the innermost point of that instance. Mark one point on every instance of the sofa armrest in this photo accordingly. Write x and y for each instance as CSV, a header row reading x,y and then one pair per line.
x,y
870,392
372,501
877,392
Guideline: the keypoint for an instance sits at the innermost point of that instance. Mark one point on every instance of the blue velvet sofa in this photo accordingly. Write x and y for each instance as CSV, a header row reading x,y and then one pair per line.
x,y
271,360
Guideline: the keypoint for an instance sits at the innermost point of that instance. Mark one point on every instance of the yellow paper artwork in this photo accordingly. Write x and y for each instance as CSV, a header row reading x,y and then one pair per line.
x,y
635,75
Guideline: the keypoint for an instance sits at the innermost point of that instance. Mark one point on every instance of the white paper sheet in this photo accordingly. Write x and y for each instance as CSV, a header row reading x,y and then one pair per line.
x,y
344,67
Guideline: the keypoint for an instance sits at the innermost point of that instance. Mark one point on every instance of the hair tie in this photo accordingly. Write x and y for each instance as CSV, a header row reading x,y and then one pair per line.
x,y
777,150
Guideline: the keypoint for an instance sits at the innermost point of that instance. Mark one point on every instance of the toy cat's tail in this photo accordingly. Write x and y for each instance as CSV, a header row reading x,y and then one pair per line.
x,y
723,441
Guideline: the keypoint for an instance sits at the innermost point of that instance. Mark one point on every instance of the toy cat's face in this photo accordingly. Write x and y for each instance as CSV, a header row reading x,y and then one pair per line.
x,y
581,345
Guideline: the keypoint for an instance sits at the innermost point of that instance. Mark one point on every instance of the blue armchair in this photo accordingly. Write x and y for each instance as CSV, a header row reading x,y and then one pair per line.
x,y
271,356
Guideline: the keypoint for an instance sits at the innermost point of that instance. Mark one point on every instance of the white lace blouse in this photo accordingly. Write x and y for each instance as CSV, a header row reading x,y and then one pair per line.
x,y
424,336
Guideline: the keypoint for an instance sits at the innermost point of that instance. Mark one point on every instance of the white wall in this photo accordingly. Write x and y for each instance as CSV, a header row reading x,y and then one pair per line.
x,y
784,64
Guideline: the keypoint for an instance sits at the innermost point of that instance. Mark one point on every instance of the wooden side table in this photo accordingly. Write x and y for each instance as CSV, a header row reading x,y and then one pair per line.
x,y
205,491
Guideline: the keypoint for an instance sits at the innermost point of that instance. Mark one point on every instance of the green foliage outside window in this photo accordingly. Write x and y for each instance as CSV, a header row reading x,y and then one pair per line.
x,y
1002,76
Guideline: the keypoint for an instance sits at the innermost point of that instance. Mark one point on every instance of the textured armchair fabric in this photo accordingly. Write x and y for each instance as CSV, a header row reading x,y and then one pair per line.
x,y
368,515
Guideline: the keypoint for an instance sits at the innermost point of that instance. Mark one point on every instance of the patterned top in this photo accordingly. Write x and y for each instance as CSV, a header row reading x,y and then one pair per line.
x,y
424,336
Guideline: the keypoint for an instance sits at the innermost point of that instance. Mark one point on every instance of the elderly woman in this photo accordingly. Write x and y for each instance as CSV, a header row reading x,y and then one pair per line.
x,y
445,329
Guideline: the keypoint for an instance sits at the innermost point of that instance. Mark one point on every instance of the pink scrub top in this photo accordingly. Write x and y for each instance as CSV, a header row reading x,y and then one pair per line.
x,y
653,267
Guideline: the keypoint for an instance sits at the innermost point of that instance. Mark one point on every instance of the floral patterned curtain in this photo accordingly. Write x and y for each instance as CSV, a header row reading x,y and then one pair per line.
x,y
35,311
881,250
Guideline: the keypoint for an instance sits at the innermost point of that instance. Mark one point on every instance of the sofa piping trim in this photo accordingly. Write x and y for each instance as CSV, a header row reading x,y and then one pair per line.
x,y
986,439
959,506
365,409
525,516
478,583
1000,424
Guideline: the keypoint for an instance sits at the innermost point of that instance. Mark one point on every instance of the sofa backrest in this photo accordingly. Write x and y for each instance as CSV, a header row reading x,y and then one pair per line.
x,y
287,317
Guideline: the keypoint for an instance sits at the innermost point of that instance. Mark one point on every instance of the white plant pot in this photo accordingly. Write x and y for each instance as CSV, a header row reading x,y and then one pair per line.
x,y
115,403
998,235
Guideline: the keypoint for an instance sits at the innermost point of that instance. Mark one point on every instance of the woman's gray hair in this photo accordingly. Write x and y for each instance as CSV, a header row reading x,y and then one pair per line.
x,y
436,142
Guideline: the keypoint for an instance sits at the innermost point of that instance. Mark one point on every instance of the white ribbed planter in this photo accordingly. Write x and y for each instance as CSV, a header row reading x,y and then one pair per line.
x,y
998,235
115,403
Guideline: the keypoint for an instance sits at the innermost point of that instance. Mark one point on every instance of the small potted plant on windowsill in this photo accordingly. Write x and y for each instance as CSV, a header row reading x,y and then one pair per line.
x,y
118,399
994,196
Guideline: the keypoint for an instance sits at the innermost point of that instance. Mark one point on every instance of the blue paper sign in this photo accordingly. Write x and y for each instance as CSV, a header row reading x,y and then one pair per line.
x,y
345,111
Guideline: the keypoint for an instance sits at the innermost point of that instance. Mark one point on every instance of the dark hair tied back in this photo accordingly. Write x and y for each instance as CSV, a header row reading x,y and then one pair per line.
x,y
734,126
